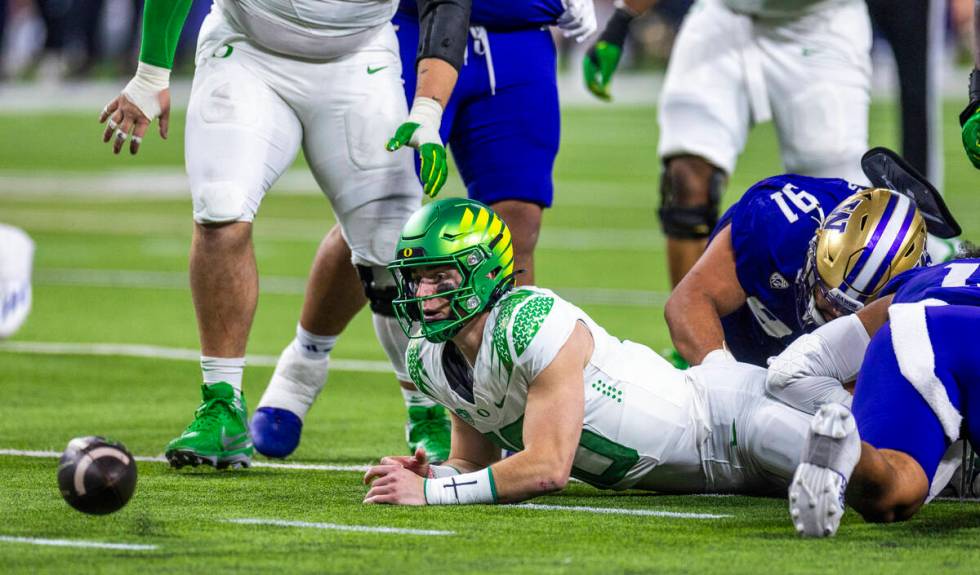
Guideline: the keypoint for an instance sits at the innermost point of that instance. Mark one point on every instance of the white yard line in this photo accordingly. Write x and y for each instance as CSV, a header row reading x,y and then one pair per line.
x,y
169,353
615,511
162,459
291,285
338,527
77,543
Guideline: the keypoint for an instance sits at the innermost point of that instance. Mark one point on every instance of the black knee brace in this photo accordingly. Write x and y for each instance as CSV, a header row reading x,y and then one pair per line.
x,y
380,292
689,222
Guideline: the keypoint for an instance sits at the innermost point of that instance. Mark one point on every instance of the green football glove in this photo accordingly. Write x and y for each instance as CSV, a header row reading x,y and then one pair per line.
x,y
421,131
971,138
970,121
598,66
603,57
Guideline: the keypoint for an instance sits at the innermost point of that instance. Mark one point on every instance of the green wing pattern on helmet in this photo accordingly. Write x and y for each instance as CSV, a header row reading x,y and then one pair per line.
x,y
529,321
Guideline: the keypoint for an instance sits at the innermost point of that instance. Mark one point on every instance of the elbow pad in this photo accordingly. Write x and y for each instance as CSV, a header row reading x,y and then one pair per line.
x,y
443,29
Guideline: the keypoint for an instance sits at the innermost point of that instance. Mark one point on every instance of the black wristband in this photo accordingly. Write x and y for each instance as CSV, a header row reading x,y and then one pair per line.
x,y
971,108
617,28
444,26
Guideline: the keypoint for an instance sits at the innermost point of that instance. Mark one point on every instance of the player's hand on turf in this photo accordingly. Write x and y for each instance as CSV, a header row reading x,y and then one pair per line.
x,y
578,20
971,138
421,131
417,464
394,485
123,119
598,67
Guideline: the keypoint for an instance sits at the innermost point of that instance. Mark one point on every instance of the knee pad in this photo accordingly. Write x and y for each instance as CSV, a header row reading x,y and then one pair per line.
x,y
221,202
689,222
394,341
379,287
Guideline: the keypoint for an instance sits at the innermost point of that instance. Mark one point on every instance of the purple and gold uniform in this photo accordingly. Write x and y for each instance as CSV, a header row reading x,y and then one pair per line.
x,y
771,228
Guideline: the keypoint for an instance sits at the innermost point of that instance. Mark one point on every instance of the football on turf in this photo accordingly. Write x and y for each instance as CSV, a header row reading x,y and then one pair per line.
x,y
96,475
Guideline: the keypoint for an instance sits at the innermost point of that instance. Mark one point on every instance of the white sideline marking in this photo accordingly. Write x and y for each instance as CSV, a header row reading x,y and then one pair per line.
x,y
338,527
615,511
172,353
77,543
162,459
288,285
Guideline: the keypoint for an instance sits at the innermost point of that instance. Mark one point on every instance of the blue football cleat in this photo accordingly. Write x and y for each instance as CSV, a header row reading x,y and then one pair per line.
x,y
275,432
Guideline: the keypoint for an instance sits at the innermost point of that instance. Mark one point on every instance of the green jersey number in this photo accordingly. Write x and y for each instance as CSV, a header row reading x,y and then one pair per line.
x,y
611,461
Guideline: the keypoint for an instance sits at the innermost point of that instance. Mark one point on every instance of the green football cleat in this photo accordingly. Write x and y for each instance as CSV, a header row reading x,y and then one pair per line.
x,y
430,429
218,436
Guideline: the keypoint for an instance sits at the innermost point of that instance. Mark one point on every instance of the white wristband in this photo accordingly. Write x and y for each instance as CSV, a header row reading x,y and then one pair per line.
x,y
437,471
464,489
427,113
145,87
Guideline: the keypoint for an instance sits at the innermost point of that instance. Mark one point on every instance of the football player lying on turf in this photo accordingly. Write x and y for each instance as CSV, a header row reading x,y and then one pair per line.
x,y
791,254
917,369
522,369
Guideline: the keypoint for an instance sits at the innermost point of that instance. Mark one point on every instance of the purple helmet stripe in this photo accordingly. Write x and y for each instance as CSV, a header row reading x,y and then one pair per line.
x,y
872,242
887,262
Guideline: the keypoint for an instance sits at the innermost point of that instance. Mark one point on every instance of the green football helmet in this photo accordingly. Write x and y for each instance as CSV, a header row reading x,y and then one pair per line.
x,y
466,235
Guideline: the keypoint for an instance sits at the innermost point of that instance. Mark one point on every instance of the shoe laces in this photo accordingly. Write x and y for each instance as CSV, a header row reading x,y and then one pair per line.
x,y
209,414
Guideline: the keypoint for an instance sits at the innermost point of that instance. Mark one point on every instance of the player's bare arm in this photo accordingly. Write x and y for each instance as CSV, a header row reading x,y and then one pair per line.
x,y
602,58
147,96
710,291
552,426
444,25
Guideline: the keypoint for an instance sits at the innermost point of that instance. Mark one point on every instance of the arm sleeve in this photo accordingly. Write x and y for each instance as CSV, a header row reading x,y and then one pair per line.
x,y
163,21
443,29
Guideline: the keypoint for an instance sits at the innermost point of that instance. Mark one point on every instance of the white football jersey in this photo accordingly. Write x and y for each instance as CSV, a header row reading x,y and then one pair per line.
x,y
780,8
643,421
319,29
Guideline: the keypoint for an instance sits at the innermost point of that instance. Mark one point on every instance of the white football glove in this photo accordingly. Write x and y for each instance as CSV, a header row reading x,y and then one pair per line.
x,y
813,369
578,21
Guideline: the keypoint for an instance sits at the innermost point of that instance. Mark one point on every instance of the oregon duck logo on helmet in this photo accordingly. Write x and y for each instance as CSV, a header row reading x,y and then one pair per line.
x,y
466,235
869,238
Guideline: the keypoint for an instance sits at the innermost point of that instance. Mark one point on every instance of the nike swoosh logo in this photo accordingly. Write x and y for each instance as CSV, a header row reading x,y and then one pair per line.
x,y
235,441
375,70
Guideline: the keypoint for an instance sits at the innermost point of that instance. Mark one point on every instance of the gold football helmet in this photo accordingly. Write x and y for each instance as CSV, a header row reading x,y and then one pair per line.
x,y
869,238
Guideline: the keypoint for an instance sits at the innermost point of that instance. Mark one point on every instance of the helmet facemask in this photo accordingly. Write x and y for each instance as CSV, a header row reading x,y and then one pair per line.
x,y
465,300
852,255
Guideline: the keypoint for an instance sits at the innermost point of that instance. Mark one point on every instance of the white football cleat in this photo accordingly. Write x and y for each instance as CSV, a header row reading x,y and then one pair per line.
x,y
831,451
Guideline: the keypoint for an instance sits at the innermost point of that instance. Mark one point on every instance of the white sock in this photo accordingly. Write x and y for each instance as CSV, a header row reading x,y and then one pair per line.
x,y
312,346
414,398
223,369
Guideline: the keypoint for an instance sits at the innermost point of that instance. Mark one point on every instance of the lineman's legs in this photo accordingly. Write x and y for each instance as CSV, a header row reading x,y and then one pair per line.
x,y
333,298
240,137
690,191
524,221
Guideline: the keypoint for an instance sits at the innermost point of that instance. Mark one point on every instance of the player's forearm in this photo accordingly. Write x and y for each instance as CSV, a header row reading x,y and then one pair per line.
x,y
443,30
436,79
529,474
694,323
163,21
